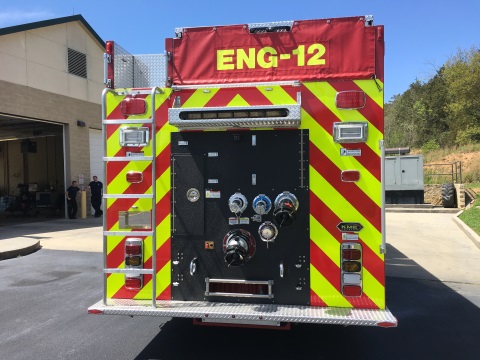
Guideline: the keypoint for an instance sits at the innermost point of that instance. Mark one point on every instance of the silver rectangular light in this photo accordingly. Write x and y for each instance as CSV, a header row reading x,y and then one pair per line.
x,y
350,132
134,136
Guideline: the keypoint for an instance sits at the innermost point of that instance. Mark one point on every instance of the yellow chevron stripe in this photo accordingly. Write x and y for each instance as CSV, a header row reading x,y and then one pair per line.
x,y
373,289
115,282
319,137
325,241
113,242
163,184
325,93
113,101
371,89
277,95
164,278
200,98
342,208
321,286
119,185
238,100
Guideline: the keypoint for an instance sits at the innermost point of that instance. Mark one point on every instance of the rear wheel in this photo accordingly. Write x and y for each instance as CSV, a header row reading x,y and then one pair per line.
x,y
448,195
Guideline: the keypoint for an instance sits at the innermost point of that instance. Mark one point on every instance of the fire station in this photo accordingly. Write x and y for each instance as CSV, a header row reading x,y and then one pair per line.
x,y
51,80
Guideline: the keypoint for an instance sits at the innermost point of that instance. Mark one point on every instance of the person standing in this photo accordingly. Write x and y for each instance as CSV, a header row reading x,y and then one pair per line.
x,y
96,190
71,195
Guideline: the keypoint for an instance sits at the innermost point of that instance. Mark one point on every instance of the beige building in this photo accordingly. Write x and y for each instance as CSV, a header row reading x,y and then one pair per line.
x,y
51,80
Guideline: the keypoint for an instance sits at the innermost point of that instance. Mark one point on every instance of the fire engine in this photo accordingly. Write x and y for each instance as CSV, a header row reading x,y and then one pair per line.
x,y
244,172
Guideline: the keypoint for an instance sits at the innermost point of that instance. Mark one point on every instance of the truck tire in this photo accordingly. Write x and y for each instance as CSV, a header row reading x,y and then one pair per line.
x,y
448,195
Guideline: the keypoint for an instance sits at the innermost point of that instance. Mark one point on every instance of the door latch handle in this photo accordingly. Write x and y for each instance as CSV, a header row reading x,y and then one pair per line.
x,y
193,266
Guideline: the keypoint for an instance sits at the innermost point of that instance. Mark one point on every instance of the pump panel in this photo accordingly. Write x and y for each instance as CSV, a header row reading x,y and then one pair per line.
x,y
225,250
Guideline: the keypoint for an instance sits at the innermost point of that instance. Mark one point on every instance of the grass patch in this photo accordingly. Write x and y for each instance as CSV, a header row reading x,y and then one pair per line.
x,y
471,218
472,185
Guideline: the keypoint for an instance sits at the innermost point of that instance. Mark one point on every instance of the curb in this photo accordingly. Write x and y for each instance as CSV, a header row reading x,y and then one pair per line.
x,y
469,232
20,252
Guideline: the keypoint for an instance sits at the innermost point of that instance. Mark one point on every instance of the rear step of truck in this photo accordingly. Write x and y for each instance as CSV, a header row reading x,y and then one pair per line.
x,y
252,314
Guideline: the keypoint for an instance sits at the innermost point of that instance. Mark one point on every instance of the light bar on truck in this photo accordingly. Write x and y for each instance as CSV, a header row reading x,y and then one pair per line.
x,y
348,100
350,132
271,116
134,136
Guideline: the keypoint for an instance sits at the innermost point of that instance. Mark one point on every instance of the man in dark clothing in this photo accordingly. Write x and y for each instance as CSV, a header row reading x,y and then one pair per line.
x,y
71,195
96,189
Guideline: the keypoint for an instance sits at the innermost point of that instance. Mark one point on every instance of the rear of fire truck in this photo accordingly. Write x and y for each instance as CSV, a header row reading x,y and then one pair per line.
x,y
244,176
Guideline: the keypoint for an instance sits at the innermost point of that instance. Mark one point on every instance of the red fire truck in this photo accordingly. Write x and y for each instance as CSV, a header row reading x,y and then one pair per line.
x,y
244,176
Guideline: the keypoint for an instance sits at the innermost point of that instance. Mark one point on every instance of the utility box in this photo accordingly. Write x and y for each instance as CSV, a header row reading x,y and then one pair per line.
x,y
404,179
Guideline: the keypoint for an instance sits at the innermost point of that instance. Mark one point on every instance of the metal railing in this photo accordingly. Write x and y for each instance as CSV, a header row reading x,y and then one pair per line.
x,y
455,172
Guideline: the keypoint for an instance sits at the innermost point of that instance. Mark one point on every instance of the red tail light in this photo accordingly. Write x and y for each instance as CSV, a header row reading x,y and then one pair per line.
x,y
133,106
133,283
350,175
133,249
352,290
134,177
351,254
353,99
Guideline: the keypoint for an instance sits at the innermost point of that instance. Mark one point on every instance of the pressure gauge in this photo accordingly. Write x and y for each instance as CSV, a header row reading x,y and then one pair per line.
x,y
193,195
268,231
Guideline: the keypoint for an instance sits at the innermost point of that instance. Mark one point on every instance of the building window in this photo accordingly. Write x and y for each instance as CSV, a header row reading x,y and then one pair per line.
x,y
77,63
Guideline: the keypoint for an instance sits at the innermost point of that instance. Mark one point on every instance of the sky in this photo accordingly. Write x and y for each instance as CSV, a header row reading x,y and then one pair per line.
x,y
420,35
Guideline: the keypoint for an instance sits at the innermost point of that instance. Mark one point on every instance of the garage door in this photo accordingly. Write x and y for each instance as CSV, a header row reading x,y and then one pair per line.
x,y
96,154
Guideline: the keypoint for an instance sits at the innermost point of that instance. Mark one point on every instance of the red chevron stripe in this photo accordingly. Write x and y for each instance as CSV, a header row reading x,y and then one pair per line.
x,y
325,118
325,265
253,96
166,294
163,208
350,191
161,114
332,273
330,220
371,111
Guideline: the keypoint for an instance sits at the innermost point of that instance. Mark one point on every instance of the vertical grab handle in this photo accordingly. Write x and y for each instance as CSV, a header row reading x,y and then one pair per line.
x,y
281,269
193,266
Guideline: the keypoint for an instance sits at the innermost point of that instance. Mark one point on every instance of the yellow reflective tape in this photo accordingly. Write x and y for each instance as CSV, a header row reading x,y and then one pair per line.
x,y
373,289
277,95
163,184
370,88
200,98
320,138
113,143
238,101
325,93
164,278
325,241
163,232
113,242
114,283
112,102
321,286
345,211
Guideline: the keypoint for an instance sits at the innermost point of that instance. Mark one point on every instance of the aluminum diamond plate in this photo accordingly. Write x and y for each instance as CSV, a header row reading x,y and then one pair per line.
x,y
133,71
221,312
